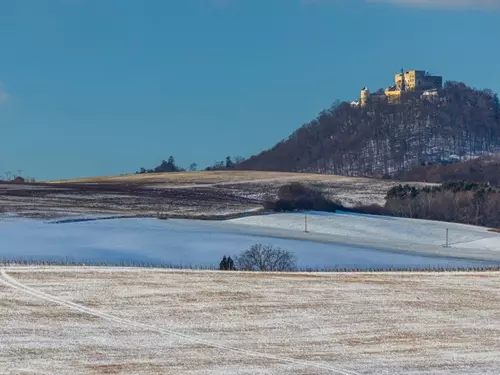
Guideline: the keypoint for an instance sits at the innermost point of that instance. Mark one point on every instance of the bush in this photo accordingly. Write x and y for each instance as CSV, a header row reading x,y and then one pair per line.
x,y
296,196
372,209
266,258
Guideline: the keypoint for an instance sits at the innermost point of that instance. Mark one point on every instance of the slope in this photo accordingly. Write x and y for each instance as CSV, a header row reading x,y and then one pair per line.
x,y
381,138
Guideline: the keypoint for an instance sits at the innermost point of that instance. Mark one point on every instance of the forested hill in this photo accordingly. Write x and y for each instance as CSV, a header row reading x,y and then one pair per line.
x,y
384,139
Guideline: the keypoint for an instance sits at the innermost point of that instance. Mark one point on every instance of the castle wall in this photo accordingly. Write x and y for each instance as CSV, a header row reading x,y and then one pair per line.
x,y
418,80
393,96
415,81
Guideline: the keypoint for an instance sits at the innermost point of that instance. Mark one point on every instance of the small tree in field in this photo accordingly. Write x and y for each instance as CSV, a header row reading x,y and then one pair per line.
x,y
226,264
223,264
230,264
266,258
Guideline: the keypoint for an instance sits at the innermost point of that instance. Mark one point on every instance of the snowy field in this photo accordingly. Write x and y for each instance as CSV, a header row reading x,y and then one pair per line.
x,y
335,241
383,231
72,321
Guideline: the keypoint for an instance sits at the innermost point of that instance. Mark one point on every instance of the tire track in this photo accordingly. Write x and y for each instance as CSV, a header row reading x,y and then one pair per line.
x,y
9,281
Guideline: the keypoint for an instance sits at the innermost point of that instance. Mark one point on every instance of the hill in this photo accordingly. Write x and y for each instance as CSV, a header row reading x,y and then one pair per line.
x,y
349,191
181,194
383,139
482,169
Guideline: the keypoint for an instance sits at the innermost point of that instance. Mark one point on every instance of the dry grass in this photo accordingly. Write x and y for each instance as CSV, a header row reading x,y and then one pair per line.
x,y
393,323
260,275
204,177
185,194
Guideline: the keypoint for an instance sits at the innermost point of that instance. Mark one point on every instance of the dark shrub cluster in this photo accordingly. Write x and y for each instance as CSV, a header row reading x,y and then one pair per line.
x,y
226,264
296,196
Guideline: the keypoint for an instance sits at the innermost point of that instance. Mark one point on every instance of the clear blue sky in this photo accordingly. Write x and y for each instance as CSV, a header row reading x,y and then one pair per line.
x,y
97,87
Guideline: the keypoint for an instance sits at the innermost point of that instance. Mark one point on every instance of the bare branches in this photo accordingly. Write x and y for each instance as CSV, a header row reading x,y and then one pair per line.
x,y
266,258
460,202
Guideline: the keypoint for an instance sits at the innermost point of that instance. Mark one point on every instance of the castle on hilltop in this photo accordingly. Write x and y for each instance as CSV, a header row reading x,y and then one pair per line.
x,y
407,84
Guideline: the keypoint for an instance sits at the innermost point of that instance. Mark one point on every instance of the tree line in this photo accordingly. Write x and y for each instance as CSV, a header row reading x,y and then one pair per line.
x,y
170,165
474,203
382,139
481,169
466,202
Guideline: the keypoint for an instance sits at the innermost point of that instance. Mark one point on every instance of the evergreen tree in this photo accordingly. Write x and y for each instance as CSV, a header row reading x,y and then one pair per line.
x,y
165,166
230,264
229,163
223,264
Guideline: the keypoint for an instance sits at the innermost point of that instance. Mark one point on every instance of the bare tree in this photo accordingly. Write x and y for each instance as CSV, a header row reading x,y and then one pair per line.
x,y
266,258
238,159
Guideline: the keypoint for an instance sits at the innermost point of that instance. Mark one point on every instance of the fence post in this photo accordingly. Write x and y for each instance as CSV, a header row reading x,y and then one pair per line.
x,y
305,223
447,236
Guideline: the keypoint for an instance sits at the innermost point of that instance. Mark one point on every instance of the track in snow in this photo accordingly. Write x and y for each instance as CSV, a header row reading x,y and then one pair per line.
x,y
9,281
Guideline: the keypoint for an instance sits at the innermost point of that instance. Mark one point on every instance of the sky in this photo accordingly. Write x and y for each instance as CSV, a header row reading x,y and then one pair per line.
x,y
102,87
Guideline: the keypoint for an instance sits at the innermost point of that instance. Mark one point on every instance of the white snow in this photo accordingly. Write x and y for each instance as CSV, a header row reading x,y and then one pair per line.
x,y
490,243
343,241
72,321
380,229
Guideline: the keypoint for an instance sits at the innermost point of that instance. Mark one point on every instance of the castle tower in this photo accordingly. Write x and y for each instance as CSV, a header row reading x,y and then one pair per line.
x,y
403,80
365,96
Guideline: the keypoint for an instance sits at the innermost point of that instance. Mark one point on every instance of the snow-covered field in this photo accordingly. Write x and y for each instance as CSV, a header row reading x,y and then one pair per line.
x,y
334,241
141,321
86,320
380,229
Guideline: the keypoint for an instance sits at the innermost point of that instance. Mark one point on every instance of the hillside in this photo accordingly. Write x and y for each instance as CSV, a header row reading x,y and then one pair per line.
x,y
181,194
383,139
251,186
482,169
